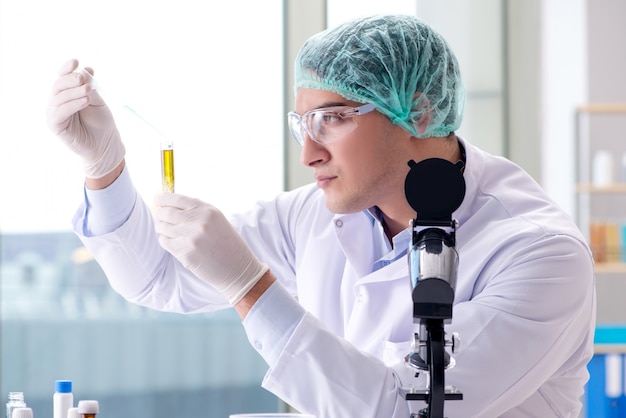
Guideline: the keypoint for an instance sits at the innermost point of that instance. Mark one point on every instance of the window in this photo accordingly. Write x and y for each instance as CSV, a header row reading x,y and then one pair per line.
x,y
209,76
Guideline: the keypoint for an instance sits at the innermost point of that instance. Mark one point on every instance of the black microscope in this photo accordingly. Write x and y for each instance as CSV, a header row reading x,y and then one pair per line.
x,y
434,188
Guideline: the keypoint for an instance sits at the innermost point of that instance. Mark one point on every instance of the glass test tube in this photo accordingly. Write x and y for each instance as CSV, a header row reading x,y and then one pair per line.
x,y
167,166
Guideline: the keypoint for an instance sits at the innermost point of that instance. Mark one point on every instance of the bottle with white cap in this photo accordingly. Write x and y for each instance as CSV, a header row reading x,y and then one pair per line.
x,y
73,412
88,409
22,413
63,399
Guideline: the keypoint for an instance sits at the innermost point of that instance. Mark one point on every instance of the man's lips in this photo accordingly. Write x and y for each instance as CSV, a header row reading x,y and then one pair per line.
x,y
323,180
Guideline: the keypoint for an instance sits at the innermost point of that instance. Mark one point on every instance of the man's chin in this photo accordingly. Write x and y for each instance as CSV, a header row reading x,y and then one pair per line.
x,y
340,209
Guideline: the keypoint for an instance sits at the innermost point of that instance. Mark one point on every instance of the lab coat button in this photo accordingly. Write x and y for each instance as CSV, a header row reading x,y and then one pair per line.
x,y
258,345
338,223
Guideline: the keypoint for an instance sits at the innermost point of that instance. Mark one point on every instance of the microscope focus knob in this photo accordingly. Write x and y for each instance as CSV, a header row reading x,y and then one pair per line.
x,y
456,342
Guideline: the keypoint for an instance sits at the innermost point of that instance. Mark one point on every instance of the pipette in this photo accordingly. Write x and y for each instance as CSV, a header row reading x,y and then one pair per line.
x,y
167,154
167,146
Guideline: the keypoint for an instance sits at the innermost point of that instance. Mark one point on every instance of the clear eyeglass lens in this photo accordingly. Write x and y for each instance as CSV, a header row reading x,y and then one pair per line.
x,y
325,125
295,126
328,125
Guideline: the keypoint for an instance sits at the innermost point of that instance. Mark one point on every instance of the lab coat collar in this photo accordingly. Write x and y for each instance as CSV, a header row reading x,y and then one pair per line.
x,y
355,236
472,171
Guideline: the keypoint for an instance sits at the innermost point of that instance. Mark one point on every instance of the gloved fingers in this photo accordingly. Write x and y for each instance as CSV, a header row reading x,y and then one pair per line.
x,y
172,208
59,114
172,244
169,228
70,94
70,81
72,85
175,200
182,239
182,249
200,237
96,100
176,208
177,215
163,217
68,66
79,117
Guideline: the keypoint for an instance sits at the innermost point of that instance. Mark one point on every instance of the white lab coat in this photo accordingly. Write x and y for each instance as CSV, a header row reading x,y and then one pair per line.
x,y
524,300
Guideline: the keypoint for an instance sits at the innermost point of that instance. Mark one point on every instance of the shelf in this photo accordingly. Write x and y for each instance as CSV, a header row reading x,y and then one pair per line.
x,y
610,348
610,267
612,188
602,108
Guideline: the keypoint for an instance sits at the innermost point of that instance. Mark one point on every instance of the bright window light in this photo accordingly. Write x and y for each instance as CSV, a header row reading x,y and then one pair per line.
x,y
207,75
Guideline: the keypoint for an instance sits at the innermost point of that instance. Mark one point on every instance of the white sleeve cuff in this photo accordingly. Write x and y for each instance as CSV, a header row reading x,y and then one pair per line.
x,y
107,209
271,322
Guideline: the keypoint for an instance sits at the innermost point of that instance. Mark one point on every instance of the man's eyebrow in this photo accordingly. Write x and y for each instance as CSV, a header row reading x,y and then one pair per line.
x,y
332,104
329,104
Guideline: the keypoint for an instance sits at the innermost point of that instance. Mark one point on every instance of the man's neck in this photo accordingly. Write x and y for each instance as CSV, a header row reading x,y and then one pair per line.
x,y
397,218
393,227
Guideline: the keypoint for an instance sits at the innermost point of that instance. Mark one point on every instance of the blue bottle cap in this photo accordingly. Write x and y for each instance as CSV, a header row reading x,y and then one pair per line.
x,y
63,386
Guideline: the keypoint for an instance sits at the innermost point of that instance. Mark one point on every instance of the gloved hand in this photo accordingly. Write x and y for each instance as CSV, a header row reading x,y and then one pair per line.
x,y
79,116
203,240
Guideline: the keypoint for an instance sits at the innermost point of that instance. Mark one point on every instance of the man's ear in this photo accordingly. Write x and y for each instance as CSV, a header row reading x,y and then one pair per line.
x,y
422,108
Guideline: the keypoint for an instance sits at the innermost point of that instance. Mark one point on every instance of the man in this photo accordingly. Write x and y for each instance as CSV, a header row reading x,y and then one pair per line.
x,y
371,95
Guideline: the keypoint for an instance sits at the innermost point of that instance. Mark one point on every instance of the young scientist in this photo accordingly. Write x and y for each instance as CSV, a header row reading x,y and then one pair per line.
x,y
371,95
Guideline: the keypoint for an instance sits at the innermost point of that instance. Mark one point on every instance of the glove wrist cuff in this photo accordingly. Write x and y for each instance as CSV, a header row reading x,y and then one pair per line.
x,y
110,158
233,299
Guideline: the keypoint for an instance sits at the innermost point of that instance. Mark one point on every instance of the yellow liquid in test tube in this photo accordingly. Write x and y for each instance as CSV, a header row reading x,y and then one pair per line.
x,y
167,166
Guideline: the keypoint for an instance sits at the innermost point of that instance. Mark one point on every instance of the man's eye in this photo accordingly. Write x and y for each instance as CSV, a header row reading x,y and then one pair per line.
x,y
332,117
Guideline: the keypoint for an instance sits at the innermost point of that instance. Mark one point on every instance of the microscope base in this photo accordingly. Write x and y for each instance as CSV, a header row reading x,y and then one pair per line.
x,y
422,395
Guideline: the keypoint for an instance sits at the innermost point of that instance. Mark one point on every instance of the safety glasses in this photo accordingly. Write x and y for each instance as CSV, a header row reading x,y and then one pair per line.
x,y
326,125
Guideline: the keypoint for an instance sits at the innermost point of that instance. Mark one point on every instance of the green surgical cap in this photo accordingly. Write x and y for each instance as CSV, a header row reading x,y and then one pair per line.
x,y
397,62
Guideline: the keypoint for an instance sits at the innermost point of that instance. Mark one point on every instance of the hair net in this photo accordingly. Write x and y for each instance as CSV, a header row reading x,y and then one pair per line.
x,y
397,62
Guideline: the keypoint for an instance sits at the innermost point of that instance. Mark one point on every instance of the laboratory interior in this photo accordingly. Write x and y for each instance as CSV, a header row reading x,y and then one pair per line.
x,y
544,86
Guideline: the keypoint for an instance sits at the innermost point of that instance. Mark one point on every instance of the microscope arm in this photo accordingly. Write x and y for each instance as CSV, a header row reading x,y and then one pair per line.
x,y
436,354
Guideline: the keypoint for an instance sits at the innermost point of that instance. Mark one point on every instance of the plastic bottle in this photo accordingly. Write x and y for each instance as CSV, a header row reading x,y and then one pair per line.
x,y
16,400
22,413
73,413
88,409
63,398
602,169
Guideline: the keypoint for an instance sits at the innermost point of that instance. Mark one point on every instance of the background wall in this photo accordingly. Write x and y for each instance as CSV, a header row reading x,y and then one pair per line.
x,y
606,68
